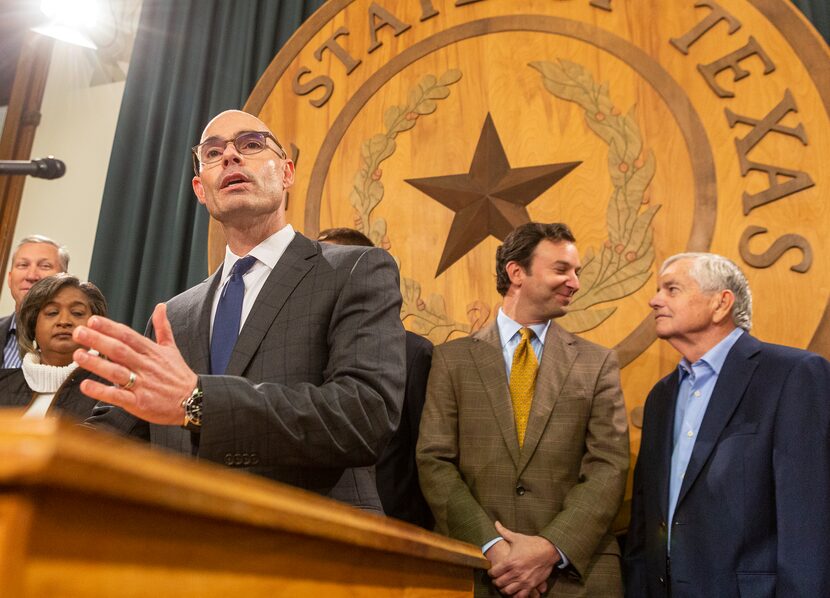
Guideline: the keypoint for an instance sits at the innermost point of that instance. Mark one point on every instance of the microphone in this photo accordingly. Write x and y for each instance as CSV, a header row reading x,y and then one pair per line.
x,y
42,168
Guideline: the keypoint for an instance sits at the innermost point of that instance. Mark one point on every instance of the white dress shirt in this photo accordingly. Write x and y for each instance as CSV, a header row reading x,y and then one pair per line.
x,y
267,253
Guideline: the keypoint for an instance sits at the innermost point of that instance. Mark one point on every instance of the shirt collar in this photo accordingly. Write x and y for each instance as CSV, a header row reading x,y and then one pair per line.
x,y
509,327
268,252
714,357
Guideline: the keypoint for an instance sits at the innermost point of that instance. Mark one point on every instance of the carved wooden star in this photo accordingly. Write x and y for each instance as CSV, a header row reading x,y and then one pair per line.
x,y
491,199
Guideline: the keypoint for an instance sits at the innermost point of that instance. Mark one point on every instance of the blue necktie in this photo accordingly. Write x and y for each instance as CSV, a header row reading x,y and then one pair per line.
x,y
228,316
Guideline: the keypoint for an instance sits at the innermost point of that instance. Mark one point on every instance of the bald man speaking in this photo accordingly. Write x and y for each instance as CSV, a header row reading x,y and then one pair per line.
x,y
287,362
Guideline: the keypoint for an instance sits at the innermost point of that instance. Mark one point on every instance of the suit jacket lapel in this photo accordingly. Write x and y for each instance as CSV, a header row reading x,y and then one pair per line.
x,y
557,359
291,268
197,327
489,361
5,324
732,382
664,426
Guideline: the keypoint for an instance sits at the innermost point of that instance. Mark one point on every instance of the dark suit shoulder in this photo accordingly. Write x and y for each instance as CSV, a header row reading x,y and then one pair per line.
x,y
299,246
415,344
774,360
345,256
788,354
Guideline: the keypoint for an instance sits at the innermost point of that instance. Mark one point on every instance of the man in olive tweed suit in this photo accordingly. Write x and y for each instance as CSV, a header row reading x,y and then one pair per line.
x,y
540,506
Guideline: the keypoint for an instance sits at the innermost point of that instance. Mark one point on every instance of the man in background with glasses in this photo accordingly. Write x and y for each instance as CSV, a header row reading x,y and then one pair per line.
x,y
288,361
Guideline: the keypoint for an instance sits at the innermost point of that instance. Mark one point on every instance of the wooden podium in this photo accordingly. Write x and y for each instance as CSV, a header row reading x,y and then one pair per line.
x,y
84,513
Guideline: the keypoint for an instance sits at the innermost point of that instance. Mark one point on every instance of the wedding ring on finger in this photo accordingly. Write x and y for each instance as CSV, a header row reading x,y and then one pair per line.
x,y
131,383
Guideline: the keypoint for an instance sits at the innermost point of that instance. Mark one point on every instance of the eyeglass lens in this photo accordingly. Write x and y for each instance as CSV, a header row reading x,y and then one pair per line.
x,y
250,142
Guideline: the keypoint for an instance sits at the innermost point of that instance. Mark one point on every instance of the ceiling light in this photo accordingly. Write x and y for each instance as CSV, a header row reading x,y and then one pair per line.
x,y
73,13
69,20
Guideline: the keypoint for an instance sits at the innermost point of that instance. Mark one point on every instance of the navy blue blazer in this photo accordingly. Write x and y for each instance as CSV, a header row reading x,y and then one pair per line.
x,y
753,515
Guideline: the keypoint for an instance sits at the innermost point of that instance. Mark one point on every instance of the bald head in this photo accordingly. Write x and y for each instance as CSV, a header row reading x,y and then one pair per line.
x,y
249,122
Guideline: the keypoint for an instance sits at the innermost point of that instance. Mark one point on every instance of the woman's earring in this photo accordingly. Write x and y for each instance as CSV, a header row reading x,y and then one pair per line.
x,y
34,344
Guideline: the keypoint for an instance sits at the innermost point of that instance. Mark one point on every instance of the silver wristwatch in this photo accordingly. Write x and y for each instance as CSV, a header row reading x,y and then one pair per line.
x,y
193,411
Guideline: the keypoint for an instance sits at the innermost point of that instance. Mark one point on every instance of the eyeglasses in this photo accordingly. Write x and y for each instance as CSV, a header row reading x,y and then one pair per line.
x,y
246,143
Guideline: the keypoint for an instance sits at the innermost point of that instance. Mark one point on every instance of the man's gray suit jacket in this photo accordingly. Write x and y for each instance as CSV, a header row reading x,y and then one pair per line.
x,y
314,387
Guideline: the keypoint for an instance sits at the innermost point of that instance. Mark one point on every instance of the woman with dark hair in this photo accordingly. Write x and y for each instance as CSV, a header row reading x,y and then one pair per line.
x,y
49,380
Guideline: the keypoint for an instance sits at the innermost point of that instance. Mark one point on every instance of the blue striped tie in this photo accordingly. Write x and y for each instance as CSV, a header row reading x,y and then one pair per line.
x,y
228,316
11,352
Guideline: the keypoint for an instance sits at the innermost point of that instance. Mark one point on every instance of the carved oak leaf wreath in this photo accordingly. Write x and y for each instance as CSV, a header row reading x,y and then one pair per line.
x,y
624,262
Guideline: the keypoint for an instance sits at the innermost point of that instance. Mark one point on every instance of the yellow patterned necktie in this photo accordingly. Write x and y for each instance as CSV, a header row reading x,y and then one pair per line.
x,y
523,381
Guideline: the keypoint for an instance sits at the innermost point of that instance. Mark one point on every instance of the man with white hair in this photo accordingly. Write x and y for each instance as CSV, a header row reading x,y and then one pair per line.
x,y
35,257
733,475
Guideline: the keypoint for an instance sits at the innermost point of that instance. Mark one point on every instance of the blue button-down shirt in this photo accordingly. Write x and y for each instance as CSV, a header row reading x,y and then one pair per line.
x,y
697,381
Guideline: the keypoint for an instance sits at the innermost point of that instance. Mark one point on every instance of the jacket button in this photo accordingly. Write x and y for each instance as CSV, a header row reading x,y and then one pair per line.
x,y
254,459
246,459
237,459
228,459
520,490
661,580
663,524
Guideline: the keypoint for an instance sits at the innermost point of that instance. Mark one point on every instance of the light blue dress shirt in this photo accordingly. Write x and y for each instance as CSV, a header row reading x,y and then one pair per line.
x,y
697,381
510,339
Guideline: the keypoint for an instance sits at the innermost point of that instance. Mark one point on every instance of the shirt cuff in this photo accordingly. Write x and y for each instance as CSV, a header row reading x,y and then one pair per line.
x,y
565,562
492,543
